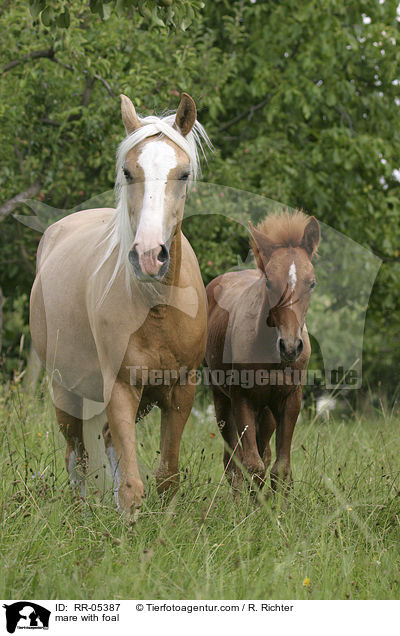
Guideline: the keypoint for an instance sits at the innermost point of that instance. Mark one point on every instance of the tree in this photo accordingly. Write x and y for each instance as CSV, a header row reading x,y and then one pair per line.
x,y
313,115
301,103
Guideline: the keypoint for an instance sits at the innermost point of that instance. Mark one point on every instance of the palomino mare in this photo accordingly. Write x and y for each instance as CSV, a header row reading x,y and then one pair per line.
x,y
257,332
119,295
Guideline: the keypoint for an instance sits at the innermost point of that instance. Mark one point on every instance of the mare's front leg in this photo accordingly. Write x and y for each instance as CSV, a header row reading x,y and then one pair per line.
x,y
174,415
245,419
121,414
69,417
285,423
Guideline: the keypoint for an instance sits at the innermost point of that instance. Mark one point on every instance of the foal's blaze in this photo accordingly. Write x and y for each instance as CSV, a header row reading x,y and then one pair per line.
x,y
257,318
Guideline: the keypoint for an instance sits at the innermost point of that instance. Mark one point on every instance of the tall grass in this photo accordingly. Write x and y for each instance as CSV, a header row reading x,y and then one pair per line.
x,y
337,538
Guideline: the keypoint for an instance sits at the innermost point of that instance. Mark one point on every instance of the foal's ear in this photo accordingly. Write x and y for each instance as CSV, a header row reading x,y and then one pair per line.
x,y
311,237
129,117
186,115
262,247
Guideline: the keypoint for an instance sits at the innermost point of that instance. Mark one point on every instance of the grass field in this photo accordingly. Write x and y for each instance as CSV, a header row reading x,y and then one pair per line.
x,y
338,538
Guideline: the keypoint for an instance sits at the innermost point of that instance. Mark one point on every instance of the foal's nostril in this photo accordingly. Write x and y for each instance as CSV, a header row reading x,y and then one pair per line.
x,y
133,257
282,348
292,352
299,348
163,254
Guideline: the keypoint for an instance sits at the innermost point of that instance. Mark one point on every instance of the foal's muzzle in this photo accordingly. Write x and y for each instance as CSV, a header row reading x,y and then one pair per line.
x,y
150,264
290,352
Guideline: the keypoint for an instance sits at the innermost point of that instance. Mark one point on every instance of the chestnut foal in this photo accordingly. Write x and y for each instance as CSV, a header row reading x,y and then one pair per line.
x,y
258,347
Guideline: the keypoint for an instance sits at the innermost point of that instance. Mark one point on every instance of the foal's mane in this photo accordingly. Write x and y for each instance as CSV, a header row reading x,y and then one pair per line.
x,y
119,235
284,229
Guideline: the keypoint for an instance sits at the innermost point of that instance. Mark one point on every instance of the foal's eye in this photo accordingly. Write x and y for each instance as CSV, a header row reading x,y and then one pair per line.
x,y
312,284
268,283
127,175
184,177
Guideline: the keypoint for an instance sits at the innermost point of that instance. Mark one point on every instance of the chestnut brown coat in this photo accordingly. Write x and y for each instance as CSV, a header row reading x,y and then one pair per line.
x,y
258,345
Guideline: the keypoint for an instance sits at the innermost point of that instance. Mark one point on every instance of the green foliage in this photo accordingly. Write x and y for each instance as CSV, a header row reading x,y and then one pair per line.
x,y
14,319
301,103
161,13
15,330
327,137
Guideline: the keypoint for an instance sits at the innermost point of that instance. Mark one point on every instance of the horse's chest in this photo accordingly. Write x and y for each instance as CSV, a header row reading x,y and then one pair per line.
x,y
165,343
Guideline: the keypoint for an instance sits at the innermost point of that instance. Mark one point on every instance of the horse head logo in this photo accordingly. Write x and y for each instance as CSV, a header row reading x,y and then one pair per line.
x,y
27,615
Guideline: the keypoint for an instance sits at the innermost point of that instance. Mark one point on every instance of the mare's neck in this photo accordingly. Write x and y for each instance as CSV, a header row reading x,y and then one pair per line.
x,y
162,293
175,253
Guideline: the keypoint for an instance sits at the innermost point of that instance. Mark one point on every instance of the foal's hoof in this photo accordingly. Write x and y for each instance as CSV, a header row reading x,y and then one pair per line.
x,y
256,471
281,485
167,485
258,480
235,479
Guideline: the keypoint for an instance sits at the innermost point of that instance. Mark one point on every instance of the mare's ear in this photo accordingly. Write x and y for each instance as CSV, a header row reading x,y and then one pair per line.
x,y
186,115
311,237
129,117
261,246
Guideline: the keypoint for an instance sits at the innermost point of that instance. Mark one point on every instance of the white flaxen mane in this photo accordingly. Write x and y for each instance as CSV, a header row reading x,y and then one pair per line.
x,y
119,233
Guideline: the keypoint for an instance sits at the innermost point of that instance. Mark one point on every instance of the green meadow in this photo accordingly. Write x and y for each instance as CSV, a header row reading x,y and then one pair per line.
x,y
336,537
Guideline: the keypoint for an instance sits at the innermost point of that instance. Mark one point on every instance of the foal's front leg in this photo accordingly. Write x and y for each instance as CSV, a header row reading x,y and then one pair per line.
x,y
245,419
174,416
266,427
121,414
232,450
285,423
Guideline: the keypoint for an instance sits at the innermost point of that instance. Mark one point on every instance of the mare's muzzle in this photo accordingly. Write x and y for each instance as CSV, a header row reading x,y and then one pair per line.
x,y
149,264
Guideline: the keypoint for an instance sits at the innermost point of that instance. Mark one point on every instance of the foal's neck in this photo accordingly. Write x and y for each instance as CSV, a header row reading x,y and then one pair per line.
x,y
265,307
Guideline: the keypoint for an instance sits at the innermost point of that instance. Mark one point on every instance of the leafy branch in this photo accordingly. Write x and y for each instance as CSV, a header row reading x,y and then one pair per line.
x,y
249,112
33,55
10,205
160,13
50,55
386,258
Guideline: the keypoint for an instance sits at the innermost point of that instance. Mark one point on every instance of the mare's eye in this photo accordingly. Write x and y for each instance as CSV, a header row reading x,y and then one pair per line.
x,y
184,177
127,175
268,283
312,285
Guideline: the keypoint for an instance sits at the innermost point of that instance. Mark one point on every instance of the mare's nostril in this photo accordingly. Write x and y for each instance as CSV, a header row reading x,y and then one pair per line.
x,y
163,254
133,257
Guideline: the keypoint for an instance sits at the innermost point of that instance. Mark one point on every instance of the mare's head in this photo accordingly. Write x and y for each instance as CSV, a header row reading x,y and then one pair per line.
x,y
284,245
155,163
